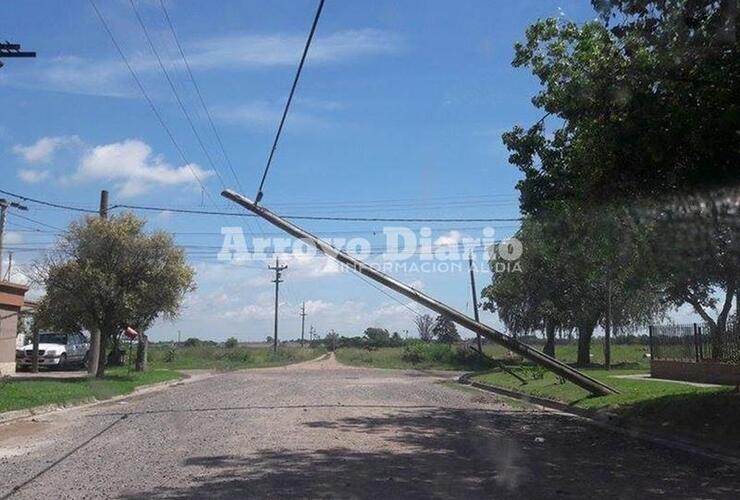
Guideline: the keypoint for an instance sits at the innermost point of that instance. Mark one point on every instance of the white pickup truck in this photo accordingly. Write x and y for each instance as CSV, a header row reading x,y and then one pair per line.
x,y
57,350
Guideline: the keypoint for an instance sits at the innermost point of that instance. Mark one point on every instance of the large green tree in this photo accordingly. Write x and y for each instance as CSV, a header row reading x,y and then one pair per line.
x,y
578,271
106,275
645,100
643,114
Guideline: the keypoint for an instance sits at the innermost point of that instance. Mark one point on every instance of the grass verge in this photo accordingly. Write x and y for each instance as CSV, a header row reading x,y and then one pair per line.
x,y
20,394
704,413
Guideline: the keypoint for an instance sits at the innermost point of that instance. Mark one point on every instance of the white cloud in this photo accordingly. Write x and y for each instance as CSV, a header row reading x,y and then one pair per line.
x,y
249,50
110,77
12,238
450,238
135,169
43,150
264,115
32,176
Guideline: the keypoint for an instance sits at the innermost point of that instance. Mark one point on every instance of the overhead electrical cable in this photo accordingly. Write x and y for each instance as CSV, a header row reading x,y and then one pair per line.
x,y
174,91
199,94
150,102
290,99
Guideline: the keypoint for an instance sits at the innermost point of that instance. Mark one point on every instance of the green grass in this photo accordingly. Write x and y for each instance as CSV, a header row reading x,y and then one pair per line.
x,y
16,395
438,357
222,358
701,412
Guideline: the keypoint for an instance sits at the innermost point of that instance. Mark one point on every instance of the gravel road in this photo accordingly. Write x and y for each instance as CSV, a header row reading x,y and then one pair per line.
x,y
321,430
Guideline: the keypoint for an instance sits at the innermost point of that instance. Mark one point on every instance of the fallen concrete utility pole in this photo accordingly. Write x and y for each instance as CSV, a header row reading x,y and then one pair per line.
x,y
559,368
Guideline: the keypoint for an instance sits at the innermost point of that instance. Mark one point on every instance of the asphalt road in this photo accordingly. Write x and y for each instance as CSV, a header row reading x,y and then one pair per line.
x,y
320,430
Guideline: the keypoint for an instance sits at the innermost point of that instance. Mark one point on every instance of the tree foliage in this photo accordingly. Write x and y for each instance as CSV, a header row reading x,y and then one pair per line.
x,y
106,275
648,105
625,186
424,325
445,330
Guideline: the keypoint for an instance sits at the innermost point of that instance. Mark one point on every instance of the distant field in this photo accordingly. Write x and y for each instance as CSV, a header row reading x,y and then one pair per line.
x,y
440,357
223,358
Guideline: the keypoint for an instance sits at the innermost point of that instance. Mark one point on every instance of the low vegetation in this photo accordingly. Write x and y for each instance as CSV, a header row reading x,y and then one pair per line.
x,y
440,356
227,357
19,394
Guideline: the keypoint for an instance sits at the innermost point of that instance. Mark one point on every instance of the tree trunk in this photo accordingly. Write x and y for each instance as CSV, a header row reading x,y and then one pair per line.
x,y
114,356
549,338
102,358
142,349
585,332
94,353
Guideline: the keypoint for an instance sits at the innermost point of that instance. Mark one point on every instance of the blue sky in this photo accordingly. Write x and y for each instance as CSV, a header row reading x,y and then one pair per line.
x,y
398,113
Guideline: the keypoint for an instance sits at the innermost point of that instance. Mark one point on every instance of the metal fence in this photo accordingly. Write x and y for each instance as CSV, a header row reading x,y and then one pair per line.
x,y
695,343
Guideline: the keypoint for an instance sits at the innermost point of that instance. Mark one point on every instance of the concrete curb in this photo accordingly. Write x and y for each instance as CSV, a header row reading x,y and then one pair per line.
x,y
26,413
610,421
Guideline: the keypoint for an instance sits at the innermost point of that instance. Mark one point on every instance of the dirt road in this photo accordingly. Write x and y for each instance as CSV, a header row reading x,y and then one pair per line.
x,y
320,430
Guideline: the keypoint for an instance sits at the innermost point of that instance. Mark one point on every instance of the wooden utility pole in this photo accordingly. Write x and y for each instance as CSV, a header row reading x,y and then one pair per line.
x,y
10,266
475,299
278,270
94,356
303,321
104,204
558,367
4,206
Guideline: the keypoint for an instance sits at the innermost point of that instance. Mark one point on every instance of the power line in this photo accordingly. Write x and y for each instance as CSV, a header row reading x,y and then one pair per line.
x,y
49,203
149,100
174,91
290,98
200,95
29,219
320,217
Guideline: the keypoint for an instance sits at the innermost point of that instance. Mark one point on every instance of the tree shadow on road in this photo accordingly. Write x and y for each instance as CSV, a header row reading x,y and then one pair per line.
x,y
456,453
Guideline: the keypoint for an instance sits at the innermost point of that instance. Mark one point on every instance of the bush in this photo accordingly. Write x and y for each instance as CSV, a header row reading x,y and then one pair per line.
x,y
413,353
170,355
231,343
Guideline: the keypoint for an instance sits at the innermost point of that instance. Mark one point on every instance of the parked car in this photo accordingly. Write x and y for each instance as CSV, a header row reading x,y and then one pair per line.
x,y
56,350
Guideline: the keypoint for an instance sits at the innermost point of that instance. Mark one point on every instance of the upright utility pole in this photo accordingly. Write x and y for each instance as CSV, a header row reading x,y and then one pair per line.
x,y
303,321
4,205
475,299
104,204
94,355
278,270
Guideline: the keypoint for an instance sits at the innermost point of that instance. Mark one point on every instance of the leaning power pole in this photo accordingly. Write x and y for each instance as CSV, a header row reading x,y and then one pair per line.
x,y
4,206
278,270
558,367
475,299
303,321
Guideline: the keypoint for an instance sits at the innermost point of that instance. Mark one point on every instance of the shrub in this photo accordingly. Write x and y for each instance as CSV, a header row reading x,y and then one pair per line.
x,y
413,353
231,343
170,355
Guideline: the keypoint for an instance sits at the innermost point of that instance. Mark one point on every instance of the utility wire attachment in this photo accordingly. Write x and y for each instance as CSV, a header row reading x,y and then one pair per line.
x,y
290,98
